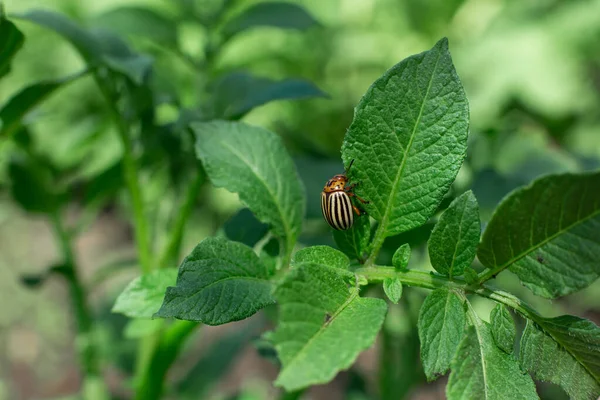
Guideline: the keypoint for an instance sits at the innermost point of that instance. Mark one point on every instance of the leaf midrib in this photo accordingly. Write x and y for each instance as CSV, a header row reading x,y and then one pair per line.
x,y
395,185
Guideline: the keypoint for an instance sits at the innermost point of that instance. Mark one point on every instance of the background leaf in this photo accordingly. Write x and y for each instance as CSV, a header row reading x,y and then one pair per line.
x,y
441,325
481,370
408,139
393,289
243,227
32,186
401,257
237,93
503,328
144,295
453,242
355,241
219,282
11,41
323,326
546,360
547,234
274,14
252,162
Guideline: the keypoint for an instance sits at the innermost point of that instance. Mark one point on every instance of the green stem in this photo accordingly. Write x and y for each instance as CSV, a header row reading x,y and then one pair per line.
x,y
165,352
378,240
130,172
171,252
93,385
488,274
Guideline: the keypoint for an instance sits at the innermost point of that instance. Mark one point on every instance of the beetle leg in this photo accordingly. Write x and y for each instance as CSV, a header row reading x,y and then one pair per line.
x,y
356,210
352,194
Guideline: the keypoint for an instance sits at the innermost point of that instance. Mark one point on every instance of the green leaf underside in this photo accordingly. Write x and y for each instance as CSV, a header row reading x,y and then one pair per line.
x,y
401,257
323,325
441,324
17,107
274,14
355,241
323,255
408,139
481,370
239,92
393,289
546,360
503,328
253,162
11,40
144,295
219,282
453,242
547,234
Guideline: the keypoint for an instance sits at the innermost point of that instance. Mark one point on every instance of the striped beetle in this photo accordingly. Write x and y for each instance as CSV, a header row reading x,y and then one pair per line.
x,y
336,204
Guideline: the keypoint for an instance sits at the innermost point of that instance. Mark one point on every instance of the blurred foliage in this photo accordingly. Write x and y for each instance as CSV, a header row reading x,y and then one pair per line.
x,y
531,71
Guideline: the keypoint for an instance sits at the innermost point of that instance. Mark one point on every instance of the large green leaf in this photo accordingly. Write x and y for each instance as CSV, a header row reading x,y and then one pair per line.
x,y
408,140
237,93
17,107
547,234
481,370
274,14
503,328
11,40
441,325
252,162
323,325
140,21
453,242
144,295
219,282
547,360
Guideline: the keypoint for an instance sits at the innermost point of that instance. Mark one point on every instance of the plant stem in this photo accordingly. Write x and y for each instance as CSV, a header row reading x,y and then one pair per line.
x,y
169,345
170,254
378,240
93,385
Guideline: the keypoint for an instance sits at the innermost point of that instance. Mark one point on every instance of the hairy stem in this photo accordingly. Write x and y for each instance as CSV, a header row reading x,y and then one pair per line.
x,y
378,240
93,385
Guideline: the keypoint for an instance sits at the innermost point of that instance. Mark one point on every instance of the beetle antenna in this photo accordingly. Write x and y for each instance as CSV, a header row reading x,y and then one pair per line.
x,y
349,166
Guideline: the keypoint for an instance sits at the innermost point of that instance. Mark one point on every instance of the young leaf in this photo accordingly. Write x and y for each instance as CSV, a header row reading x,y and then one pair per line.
x,y
324,255
470,275
238,93
408,140
401,257
393,289
219,282
503,328
481,370
275,14
355,241
144,295
441,325
546,360
15,109
323,326
547,234
11,40
453,242
252,162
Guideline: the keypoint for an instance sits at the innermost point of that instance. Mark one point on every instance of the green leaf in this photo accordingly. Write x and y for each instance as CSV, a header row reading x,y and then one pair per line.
x,y
503,328
453,242
323,325
401,257
219,282
237,93
481,370
243,227
355,241
144,295
408,140
441,325
274,14
32,186
11,41
470,275
140,21
393,289
252,162
17,107
546,360
323,255
547,234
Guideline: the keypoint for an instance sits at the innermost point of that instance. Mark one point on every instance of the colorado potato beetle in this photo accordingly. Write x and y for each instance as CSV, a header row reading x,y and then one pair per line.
x,y
336,204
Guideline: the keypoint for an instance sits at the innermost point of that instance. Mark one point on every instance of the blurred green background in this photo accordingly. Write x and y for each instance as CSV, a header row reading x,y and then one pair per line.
x,y
531,71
